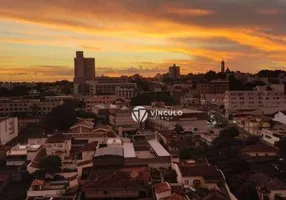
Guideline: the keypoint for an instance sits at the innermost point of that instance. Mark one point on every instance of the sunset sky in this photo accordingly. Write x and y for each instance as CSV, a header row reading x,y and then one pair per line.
x,y
38,38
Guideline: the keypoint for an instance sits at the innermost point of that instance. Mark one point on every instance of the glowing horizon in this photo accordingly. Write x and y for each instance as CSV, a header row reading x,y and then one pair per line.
x,y
38,39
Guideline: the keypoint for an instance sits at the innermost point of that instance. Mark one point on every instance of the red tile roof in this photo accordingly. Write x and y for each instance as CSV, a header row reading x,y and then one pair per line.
x,y
258,148
206,171
38,182
115,179
162,187
57,138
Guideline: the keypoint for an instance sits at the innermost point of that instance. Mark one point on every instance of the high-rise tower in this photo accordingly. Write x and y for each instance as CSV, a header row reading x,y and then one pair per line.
x,y
84,70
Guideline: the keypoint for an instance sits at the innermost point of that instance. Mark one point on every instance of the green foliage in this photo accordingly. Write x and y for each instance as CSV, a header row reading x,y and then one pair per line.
x,y
229,132
147,98
226,145
50,164
270,73
193,153
61,118
281,144
211,75
178,129
20,90
252,140
247,191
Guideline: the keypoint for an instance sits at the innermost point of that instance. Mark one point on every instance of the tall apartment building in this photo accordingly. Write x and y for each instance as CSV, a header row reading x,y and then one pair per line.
x,y
174,72
268,98
84,70
8,129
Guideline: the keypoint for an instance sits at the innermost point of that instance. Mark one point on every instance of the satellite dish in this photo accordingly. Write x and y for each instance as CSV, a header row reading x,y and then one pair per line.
x,y
134,174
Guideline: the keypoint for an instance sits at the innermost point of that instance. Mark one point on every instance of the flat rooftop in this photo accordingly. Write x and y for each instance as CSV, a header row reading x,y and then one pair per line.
x,y
20,149
144,154
128,149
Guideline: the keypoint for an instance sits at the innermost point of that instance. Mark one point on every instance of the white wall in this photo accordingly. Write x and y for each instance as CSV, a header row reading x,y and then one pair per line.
x,y
36,141
272,194
8,130
52,193
267,136
280,117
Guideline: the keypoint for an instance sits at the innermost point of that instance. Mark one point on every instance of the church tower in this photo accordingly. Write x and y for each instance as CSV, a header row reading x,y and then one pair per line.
x,y
222,66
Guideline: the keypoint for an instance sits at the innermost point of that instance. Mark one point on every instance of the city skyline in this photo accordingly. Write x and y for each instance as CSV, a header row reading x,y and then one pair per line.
x,y
38,39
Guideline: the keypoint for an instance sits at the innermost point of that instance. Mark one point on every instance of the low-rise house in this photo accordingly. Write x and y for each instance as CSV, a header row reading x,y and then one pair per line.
x,y
57,187
254,125
120,184
268,187
19,154
58,144
258,152
84,132
199,175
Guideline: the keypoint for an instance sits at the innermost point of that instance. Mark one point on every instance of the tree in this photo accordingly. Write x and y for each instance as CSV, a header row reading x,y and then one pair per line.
x,y
211,75
252,140
61,118
247,191
20,90
184,154
178,129
4,92
50,164
147,98
230,132
281,144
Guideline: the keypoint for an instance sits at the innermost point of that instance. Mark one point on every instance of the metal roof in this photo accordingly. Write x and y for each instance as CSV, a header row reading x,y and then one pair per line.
x,y
158,148
129,151
117,151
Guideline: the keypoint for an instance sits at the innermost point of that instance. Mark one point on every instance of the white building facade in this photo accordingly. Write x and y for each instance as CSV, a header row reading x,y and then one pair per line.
x,y
8,129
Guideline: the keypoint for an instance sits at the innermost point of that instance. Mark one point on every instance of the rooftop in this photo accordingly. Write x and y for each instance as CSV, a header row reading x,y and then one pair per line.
x,y
129,151
162,187
57,138
258,148
116,179
22,149
90,146
158,148
116,151
206,171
